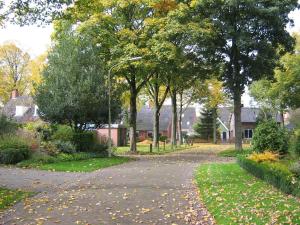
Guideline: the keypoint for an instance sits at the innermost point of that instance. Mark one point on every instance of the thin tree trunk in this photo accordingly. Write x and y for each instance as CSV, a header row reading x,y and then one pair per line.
x,y
282,118
237,121
132,119
156,126
174,119
180,120
215,125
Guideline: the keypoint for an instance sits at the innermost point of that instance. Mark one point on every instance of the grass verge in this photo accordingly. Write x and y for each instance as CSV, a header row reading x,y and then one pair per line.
x,y
87,165
234,153
145,149
234,196
11,197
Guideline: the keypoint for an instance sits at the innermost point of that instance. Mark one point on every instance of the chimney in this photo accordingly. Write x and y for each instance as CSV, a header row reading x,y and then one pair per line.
x,y
14,94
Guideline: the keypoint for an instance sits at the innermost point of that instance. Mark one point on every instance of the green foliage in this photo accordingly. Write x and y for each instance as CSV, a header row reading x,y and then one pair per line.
x,y
163,138
294,146
295,168
7,126
13,150
63,133
84,141
74,91
204,127
274,173
65,146
233,196
50,148
268,135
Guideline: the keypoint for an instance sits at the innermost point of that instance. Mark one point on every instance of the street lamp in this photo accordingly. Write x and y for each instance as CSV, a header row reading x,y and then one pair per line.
x,y
109,99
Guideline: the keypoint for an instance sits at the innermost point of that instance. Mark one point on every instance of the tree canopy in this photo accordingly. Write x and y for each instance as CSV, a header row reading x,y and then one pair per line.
x,y
74,90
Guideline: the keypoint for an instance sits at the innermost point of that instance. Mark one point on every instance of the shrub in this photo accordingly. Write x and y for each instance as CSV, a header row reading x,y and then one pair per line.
x,y
13,150
294,147
270,136
49,148
37,158
295,168
163,138
45,131
65,146
274,173
84,141
63,133
7,126
266,156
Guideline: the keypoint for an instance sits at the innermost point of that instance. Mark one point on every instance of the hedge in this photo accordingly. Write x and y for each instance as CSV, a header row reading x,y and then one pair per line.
x,y
274,173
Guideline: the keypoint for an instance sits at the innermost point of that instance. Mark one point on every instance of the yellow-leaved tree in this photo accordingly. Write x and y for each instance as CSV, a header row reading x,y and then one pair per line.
x,y
14,70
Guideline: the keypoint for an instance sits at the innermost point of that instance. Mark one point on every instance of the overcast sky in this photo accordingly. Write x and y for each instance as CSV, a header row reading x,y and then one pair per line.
x,y
36,40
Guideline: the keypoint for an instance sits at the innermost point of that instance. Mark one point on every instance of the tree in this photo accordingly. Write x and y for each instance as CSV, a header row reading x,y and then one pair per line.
x,y
282,93
287,86
36,67
13,70
205,128
157,92
74,90
250,34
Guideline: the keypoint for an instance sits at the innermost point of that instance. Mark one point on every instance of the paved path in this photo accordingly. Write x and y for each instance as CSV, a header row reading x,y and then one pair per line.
x,y
151,190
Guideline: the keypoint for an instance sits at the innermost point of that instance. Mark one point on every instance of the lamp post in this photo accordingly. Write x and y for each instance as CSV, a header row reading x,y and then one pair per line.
x,y
109,100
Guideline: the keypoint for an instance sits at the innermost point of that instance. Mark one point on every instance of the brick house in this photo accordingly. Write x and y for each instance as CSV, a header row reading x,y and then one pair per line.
x,y
145,122
249,118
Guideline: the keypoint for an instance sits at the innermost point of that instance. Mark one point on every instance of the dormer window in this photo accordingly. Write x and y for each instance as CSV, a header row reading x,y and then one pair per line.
x,y
21,110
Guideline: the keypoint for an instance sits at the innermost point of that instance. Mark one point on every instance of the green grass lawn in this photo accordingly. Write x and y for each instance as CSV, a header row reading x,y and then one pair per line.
x,y
11,197
234,153
145,149
84,165
233,196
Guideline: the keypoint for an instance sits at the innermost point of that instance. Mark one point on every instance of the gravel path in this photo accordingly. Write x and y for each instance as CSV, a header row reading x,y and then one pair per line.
x,y
151,190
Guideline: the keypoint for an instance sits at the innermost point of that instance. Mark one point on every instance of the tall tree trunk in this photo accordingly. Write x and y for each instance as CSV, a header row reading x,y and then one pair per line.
x,y
180,120
174,119
156,126
237,121
215,125
132,118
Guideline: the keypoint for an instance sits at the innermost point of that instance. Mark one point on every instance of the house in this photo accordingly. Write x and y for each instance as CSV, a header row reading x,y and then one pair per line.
x,y
145,121
21,108
249,117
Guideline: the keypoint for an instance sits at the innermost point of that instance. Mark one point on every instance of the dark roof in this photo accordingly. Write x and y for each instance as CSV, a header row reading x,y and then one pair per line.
x,y
9,109
249,115
145,118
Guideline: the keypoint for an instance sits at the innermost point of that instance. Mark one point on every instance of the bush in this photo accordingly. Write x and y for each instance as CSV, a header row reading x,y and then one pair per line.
x,y
270,136
294,147
63,133
163,138
264,157
274,173
49,148
7,126
45,131
13,150
295,168
85,141
65,146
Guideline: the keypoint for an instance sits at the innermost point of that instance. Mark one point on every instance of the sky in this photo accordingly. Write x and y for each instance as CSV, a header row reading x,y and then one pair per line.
x,y
36,40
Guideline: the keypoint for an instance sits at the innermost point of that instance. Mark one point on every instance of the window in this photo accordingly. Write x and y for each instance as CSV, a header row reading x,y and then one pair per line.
x,y
21,110
150,135
248,133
